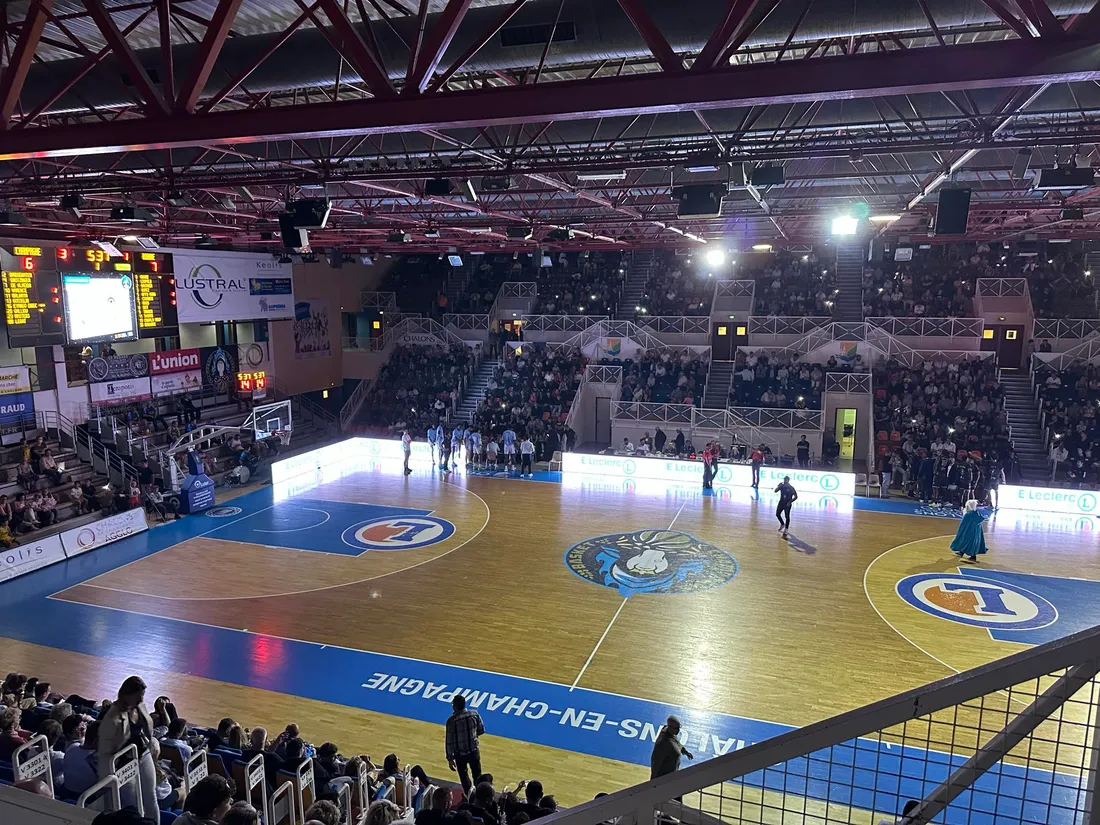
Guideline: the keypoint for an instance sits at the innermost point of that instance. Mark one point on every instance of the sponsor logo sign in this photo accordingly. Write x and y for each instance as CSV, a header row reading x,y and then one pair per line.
x,y
976,602
121,391
174,360
176,382
27,557
1049,500
100,533
14,406
423,339
14,379
118,367
232,287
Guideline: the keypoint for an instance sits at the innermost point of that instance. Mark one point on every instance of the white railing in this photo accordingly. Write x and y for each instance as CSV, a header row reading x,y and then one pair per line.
x,y
467,320
848,382
1002,288
930,327
560,323
676,324
354,404
353,343
785,324
1014,741
385,301
1087,351
772,418
699,420
624,329
415,330
1071,329
603,374
518,289
631,411
744,288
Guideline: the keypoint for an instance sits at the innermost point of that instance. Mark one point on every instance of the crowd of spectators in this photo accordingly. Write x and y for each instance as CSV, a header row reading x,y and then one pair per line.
x,y
489,272
1061,287
581,284
84,734
530,393
676,286
950,414
937,285
664,377
1069,406
760,380
788,284
417,388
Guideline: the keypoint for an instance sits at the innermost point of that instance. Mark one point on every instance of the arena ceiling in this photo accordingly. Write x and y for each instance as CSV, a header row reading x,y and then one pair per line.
x,y
212,113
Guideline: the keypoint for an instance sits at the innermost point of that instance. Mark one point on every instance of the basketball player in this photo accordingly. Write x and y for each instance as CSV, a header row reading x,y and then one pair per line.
x,y
508,439
475,448
433,441
456,447
406,448
491,450
787,497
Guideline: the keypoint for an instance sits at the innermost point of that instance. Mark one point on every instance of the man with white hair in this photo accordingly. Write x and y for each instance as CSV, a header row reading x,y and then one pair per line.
x,y
667,750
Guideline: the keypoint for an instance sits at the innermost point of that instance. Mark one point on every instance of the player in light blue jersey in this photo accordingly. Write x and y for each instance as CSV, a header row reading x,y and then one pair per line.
x,y
508,439
456,447
433,441
475,449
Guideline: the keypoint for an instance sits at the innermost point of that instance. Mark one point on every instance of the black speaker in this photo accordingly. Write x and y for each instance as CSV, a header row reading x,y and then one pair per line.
x,y
436,187
699,200
953,212
768,175
1073,213
294,237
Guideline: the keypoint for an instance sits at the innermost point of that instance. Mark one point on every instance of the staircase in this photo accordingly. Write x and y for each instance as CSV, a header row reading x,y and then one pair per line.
x,y
719,383
1023,419
457,282
849,280
476,390
637,277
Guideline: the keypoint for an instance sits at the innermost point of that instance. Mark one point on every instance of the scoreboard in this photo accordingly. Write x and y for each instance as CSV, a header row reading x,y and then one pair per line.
x,y
34,307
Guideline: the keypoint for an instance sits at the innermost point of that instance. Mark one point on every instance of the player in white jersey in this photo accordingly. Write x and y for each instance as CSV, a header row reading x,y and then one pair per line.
x,y
508,439
475,449
491,450
456,447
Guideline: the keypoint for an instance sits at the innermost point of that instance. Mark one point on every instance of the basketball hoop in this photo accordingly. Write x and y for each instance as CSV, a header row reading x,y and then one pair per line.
x,y
283,436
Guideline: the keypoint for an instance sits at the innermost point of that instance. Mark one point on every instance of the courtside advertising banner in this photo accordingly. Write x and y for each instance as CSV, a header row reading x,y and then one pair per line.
x,y
103,532
1048,500
28,557
14,379
230,286
175,371
691,472
119,392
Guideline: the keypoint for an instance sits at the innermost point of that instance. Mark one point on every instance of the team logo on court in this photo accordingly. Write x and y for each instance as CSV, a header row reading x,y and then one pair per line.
x,y
977,602
223,512
651,561
398,533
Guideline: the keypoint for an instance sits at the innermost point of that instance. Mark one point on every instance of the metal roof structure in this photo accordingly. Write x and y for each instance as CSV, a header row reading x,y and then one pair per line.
x,y
578,115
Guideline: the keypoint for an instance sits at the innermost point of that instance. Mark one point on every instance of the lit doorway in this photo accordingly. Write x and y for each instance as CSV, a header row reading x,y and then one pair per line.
x,y
846,433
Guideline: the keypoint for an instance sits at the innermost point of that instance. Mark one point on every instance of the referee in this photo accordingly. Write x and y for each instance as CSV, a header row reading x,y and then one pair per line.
x,y
526,456
787,497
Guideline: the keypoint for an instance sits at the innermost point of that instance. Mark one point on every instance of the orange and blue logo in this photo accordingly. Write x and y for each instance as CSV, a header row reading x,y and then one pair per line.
x,y
977,602
398,533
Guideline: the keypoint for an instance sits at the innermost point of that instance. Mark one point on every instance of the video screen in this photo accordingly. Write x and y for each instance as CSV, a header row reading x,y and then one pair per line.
x,y
100,307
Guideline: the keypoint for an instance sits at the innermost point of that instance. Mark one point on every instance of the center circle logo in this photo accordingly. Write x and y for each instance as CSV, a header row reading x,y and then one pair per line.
x,y
651,561
629,467
398,533
829,482
223,512
1086,502
977,602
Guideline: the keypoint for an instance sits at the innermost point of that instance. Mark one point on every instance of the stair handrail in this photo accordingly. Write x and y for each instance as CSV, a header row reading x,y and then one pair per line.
x,y
354,403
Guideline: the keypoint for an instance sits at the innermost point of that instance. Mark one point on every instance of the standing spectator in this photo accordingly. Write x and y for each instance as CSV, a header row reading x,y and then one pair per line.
x,y
886,475
463,751
803,452
757,459
1058,455
127,722
667,750
28,478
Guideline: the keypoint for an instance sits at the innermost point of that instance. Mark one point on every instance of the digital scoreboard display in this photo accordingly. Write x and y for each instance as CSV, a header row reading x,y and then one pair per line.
x,y
99,306
33,308
252,381
34,300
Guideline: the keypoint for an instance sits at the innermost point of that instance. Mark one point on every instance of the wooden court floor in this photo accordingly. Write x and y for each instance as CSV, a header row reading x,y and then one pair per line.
x,y
743,624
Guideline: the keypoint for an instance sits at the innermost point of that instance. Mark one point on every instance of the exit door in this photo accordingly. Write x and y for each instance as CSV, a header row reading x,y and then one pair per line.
x,y
846,432
726,337
1007,340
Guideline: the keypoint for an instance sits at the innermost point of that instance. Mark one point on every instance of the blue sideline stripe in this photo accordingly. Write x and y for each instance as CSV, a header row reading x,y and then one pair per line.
x,y
866,774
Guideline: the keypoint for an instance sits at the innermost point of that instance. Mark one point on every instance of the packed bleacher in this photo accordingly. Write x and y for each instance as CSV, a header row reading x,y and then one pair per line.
x,y
782,382
664,377
789,284
83,736
583,283
489,273
1060,287
941,431
417,388
930,286
531,393
1069,399
676,287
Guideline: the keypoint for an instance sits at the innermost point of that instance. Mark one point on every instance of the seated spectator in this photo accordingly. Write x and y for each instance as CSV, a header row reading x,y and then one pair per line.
x,y
28,478
295,755
410,383
7,540
52,731
73,730
258,745
324,812
384,812
482,805
35,786
789,285
278,747
50,468
529,805
676,287
241,813
440,805
208,802
11,737
664,377
81,505
761,380
176,737
582,283
45,508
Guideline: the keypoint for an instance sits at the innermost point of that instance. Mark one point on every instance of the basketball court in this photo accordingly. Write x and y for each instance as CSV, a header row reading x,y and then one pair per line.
x,y
574,613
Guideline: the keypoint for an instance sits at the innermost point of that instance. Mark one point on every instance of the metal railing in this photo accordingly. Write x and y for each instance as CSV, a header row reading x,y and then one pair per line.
x,y
640,411
1071,329
1014,741
354,404
603,374
743,288
930,327
467,320
676,324
848,382
785,324
518,289
560,323
772,418
1086,351
720,422
1002,288
385,301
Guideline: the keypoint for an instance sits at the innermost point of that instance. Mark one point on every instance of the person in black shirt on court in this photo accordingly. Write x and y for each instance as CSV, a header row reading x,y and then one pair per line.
x,y
803,448
787,497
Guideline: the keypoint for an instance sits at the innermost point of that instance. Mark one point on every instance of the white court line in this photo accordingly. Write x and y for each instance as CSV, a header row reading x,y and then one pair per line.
x,y
682,506
488,515
592,655
327,515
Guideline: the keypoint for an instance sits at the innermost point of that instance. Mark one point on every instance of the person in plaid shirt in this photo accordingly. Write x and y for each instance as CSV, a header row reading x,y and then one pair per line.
x,y
463,728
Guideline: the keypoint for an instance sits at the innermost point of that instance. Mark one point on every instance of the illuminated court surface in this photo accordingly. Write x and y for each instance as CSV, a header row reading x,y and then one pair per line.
x,y
579,614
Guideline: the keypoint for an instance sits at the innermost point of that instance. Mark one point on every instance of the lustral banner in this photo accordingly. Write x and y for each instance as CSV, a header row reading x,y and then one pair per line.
x,y
232,287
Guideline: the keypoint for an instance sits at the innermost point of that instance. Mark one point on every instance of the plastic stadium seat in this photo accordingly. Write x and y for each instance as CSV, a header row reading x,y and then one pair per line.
x,y
174,757
167,817
215,765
